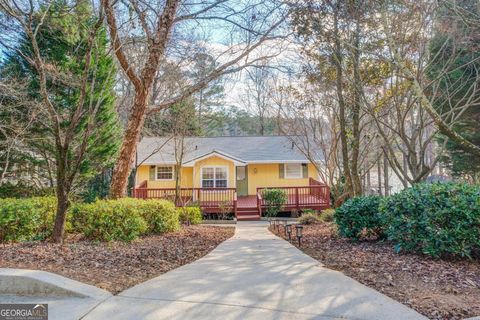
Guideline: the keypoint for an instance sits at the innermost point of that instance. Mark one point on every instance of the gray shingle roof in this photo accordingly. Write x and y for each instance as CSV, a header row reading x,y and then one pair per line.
x,y
161,150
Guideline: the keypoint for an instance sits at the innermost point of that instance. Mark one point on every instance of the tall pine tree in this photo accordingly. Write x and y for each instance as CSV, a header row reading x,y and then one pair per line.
x,y
82,133
458,39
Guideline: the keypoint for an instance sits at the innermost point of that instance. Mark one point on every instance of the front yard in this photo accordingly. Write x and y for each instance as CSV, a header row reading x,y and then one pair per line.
x,y
438,289
116,266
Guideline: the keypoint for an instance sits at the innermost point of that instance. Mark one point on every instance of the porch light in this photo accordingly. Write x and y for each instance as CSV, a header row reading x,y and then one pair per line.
x,y
288,229
299,230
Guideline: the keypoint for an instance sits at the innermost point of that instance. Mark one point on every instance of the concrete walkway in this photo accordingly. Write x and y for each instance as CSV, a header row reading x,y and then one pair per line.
x,y
253,275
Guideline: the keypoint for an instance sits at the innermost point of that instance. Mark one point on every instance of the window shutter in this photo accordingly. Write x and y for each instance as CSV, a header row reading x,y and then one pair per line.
x,y
175,173
281,171
305,170
152,173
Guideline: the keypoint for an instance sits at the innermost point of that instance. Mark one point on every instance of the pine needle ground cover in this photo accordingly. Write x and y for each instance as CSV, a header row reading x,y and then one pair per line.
x,y
116,266
436,288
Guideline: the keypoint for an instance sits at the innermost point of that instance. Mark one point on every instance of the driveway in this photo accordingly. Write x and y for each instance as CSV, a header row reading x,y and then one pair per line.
x,y
253,275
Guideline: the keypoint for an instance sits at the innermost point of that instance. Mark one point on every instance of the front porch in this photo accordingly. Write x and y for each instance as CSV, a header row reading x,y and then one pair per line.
x,y
315,196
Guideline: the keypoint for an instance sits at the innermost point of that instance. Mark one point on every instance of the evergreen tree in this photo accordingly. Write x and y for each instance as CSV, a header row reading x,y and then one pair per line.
x,y
457,39
83,136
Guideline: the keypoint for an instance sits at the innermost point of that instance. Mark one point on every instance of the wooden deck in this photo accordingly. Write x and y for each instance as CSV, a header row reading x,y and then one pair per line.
x,y
315,196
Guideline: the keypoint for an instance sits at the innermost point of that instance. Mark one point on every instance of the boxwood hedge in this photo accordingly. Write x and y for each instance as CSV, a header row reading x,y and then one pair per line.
x,y
192,215
124,219
27,219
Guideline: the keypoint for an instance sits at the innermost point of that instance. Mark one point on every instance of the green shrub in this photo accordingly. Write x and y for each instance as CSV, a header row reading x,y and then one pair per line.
x,y
359,217
327,215
108,220
27,219
192,215
161,215
309,211
309,218
434,219
275,200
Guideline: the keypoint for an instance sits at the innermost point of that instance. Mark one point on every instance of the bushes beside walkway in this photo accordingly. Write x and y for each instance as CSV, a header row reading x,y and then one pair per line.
x,y
433,219
30,219
27,219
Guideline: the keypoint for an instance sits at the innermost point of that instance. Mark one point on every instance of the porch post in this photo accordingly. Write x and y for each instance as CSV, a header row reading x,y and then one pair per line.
x,y
235,203
297,198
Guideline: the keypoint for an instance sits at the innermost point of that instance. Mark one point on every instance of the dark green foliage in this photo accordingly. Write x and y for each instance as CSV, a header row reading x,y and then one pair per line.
x,y
97,187
358,218
27,219
434,219
192,215
455,65
62,41
275,200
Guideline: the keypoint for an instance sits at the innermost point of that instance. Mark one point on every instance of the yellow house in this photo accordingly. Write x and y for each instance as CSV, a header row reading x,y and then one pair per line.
x,y
231,172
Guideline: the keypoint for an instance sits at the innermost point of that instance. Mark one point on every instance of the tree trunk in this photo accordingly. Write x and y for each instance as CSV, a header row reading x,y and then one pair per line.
x,y
61,216
341,104
385,174
369,184
357,186
62,200
123,166
379,173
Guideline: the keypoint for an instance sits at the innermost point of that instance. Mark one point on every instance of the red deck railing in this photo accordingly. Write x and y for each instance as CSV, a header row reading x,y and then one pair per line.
x,y
207,198
214,200
314,196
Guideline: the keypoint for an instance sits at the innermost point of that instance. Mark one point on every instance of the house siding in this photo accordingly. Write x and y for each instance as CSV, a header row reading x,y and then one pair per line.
x,y
267,176
143,173
212,162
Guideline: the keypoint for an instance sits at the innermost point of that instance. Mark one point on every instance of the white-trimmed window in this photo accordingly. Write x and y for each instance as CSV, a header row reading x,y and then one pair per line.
x,y
164,173
293,171
214,177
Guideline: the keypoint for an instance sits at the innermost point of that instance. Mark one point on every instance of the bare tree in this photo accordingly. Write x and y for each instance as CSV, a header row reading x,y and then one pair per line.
x,y
159,26
18,114
414,22
256,96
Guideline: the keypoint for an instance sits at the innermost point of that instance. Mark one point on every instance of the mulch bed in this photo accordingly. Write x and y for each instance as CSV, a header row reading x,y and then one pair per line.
x,y
438,289
116,266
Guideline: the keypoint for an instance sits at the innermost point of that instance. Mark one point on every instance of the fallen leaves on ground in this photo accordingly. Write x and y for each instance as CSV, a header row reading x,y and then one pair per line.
x,y
116,266
438,289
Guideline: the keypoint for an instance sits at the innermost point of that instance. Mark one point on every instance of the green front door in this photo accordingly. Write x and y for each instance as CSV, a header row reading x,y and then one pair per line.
x,y
242,181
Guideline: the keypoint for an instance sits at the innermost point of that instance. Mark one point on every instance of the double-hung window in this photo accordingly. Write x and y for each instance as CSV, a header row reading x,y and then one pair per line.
x,y
165,173
214,177
293,171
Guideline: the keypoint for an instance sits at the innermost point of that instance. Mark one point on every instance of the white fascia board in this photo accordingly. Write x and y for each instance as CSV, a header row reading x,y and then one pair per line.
x,y
236,161
278,161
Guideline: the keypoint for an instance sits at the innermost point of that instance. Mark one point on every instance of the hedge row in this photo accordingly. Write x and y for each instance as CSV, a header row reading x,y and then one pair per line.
x,y
433,219
27,219
31,219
